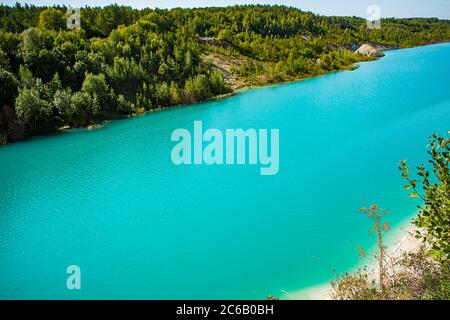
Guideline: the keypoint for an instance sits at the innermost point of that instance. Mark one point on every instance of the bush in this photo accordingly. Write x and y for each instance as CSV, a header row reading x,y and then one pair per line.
x,y
434,215
414,276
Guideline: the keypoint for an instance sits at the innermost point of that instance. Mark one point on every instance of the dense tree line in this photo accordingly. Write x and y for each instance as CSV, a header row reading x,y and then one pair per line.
x,y
126,61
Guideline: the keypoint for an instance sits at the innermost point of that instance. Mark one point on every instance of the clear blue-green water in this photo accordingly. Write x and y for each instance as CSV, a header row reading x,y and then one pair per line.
x,y
112,202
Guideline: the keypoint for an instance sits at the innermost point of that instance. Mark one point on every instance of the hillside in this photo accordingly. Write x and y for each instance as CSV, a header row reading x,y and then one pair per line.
x,y
125,61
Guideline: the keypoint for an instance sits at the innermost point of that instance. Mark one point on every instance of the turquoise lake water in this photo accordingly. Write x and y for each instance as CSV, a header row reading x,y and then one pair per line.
x,y
140,227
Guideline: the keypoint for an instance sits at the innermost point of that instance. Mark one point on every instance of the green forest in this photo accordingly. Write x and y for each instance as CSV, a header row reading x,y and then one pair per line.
x,y
124,61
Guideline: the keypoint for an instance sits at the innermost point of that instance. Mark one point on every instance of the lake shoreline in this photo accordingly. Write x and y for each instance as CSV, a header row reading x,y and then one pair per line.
x,y
402,240
236,91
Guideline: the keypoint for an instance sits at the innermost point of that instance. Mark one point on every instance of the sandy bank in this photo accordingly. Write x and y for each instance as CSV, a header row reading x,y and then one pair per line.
x,y
401,240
